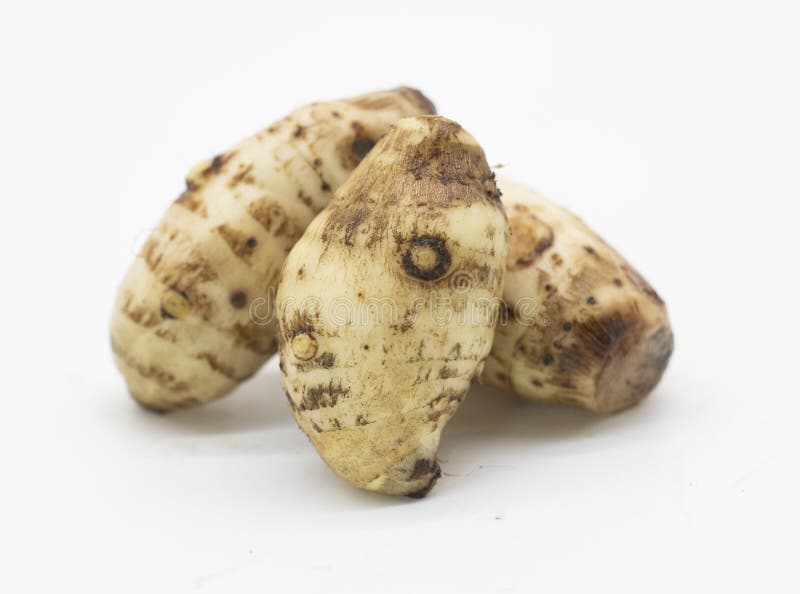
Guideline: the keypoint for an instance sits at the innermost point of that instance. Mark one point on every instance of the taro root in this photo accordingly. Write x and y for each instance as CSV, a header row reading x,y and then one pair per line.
x,y
388,302
581,327
192,317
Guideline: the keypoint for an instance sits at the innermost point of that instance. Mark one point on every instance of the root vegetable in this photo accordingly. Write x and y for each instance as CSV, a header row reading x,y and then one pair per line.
x,y
387,305
583,327
191,318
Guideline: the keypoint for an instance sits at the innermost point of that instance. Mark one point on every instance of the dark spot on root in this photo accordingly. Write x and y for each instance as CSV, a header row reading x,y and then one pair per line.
x,y
537,383
251,242
589,249
421,468
591,301
366,347
617,282
360,147
192,201
437,472
547,359
217,163
166,315
567,326
326,187
326,360
437,268
447,372
323,396
238,299
336,114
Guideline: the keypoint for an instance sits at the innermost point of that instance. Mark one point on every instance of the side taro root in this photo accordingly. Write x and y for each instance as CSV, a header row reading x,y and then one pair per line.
x,y
581,326
387,305
192,317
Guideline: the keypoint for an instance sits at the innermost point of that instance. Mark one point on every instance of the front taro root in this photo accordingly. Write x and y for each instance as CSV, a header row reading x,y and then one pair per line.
x,y
193,315
581,327
387,305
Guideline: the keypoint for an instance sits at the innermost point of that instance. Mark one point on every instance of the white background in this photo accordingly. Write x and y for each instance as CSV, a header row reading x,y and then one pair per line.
x,y
673,128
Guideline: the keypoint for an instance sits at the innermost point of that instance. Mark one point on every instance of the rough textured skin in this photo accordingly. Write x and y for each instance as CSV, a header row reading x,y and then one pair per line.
x,y
583,327
183,329
372,366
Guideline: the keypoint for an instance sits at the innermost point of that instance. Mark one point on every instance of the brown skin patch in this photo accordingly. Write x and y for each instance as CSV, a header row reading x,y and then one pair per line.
x,y
406,323
627,378
271,216
306,199
254,338
323,396
218,366
421,468
456,173
300,322
240,243
190,200
326,360
243,176
609,335
217,163
139,315
529,238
